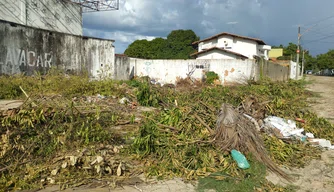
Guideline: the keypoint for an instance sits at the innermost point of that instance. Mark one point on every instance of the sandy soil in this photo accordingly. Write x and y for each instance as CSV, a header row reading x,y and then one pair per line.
x,y
324,104
175,185
319,174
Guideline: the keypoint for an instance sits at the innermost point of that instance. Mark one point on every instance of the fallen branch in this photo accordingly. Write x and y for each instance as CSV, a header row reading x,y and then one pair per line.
x,y
162,125
193,142
203,123
212,110
257,126
12,165
28,97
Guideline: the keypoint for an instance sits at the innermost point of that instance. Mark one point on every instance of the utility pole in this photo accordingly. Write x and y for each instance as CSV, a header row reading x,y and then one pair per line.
x,y
303,62
298,46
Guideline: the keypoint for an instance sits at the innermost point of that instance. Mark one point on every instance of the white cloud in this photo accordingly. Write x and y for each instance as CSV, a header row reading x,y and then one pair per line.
x,y
269,20
232,22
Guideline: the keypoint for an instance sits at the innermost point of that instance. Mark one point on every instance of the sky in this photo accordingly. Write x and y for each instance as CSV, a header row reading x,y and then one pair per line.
x,y
274,21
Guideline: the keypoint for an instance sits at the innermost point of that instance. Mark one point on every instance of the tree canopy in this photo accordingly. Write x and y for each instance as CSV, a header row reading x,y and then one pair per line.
x,y
178,45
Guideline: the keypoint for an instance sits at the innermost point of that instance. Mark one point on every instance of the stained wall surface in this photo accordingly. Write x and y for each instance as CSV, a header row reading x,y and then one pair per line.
x,y
54,15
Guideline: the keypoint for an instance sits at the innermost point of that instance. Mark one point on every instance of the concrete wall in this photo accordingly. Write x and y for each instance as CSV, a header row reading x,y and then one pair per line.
x,y
26,50
122,68
55,15
169,71
13,11
275,72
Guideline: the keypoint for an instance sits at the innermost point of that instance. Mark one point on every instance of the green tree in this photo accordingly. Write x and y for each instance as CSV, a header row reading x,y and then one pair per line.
x,y
290,50
139,49
178,45
326,60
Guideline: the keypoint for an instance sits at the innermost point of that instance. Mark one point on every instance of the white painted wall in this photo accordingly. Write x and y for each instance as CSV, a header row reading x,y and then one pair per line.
x,y
235,71
226,41
54,15
245,47
207,44
293,69
168,71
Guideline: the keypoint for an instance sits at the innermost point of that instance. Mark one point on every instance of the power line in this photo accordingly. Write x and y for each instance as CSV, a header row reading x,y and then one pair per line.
x,y
319,21
326,27
317,32
311,28
325,37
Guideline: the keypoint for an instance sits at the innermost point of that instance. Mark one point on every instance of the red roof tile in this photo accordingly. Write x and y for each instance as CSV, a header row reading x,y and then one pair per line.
x,y
259,41
120,55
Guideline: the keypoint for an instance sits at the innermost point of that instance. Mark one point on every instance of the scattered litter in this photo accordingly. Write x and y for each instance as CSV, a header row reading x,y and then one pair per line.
x,y
124,100
64,165
54,172
322,142
51,180
101,96
309,135
289,129
73,160
240,159
300,120
119,169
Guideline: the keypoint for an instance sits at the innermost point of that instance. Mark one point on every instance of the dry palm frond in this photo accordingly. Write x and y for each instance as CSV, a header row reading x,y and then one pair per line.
x,y
234,131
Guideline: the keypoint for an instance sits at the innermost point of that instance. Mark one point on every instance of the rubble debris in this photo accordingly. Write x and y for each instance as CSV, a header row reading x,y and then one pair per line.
x,y
322,143
124,100
289,129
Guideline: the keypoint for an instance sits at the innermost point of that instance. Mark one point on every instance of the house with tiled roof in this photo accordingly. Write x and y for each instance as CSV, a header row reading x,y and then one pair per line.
x,y
231,46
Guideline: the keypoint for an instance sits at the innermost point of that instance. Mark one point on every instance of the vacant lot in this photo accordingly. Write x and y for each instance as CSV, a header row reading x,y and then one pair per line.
x,y
109,134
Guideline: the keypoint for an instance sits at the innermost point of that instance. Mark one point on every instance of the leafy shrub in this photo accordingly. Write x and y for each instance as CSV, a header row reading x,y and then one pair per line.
x,y
211,77
146,96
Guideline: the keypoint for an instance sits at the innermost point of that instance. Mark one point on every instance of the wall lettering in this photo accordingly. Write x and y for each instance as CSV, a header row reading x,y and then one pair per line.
x,y
13,58
31,58
148,67
201,64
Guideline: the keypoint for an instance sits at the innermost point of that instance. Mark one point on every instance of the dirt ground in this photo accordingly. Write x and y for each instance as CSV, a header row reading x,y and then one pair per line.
x,y
317,176
324,104
175,185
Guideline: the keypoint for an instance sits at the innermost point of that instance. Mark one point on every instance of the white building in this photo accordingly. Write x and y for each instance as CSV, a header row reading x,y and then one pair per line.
x,y
231,46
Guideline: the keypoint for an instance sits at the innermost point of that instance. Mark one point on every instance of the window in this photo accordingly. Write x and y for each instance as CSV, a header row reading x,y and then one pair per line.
x,y
199,66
